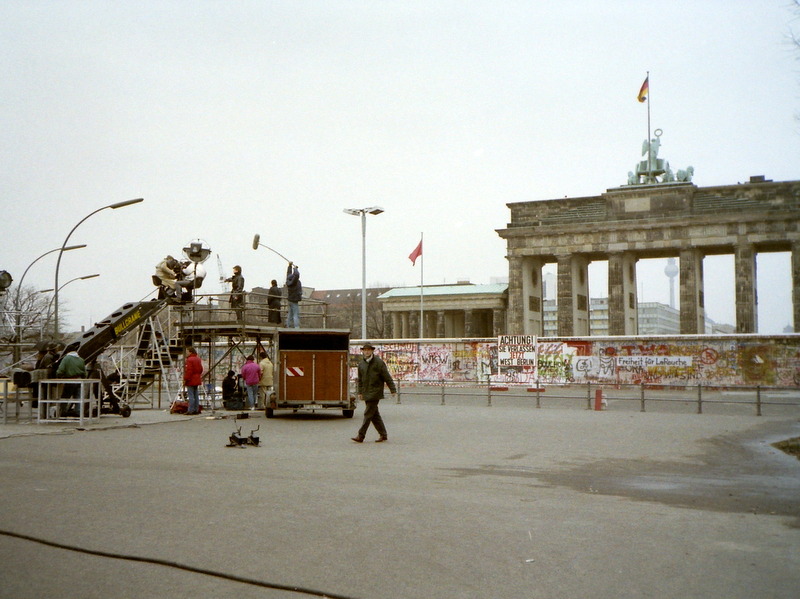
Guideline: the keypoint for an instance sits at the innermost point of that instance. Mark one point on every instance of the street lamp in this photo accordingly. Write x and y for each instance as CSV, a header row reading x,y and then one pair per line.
x,y
362,212
17,308
83,278
63,248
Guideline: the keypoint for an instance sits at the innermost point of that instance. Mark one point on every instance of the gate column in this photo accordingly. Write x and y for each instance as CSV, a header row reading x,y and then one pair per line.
x,y
532,295
623,312
468,323
516,318
745,285
413,325
573,295
692,308
498,322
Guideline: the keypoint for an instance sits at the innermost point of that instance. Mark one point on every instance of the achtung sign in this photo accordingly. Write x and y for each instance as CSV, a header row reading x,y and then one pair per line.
x,y
516,350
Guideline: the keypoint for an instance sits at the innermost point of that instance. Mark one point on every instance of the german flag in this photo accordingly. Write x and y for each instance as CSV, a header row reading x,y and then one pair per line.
x,y
645,90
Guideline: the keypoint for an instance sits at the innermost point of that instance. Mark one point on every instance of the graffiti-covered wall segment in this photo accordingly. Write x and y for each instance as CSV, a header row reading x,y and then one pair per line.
x,y
521,359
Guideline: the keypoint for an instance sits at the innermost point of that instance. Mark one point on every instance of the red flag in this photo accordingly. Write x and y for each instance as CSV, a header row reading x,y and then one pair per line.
x,y
416,253
645,90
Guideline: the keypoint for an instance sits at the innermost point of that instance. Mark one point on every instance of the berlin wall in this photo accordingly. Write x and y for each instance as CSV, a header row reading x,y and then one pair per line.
x,y
726,361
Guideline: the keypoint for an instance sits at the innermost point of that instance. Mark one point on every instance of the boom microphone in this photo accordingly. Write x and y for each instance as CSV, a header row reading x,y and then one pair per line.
x,y
257,242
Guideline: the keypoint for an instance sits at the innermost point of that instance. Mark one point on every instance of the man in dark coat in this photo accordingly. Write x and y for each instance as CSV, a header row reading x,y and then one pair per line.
x,y
294,293
274,303
372,375
237,291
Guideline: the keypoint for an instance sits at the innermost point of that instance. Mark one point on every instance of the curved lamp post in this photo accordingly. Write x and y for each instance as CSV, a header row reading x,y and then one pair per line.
x,y
18,317
83,278
362,212
63,246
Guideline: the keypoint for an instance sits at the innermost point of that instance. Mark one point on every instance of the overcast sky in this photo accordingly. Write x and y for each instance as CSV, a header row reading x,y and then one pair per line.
x,y
233,118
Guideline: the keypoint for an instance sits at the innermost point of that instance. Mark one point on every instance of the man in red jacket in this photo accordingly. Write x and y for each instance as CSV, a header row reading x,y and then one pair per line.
x,y
193,378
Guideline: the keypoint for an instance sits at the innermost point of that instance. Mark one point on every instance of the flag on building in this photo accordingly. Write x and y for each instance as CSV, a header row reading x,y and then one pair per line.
x,y
645,90
416,253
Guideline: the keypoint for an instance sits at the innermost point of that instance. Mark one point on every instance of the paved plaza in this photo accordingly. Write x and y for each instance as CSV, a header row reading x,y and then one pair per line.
x,y
464,500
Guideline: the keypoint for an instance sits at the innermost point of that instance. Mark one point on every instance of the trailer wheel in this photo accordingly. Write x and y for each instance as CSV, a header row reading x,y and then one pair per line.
x,y
270,412
348,413
125,411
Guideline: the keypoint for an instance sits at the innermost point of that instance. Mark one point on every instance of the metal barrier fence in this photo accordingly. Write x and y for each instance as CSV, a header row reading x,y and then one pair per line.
x,y
594,396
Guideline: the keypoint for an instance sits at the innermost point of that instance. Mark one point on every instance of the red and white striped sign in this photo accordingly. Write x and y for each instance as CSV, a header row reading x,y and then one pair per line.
x,y
294,371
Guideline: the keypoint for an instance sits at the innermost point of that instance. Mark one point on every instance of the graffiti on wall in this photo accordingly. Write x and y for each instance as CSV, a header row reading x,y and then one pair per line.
x,y
722,361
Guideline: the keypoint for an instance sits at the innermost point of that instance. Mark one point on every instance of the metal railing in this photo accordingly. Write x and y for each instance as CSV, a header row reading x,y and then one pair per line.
x,y
698,398
216,308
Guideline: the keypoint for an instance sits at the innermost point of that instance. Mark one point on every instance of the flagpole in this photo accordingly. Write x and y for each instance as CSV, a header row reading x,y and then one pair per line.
x,y
421,287
650,177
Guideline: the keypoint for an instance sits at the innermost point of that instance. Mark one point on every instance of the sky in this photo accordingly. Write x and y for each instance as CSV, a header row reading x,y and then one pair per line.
x,y
241,117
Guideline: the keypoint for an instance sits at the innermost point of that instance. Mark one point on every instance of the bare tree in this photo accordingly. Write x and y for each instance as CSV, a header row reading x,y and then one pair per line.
x,y
26,314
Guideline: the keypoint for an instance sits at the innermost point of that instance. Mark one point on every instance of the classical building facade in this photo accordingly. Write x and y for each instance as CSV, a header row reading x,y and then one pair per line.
x,y
448,311
625,224
343,311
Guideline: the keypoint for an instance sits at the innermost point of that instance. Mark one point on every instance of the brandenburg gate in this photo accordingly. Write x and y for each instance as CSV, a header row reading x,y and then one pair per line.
x,y
670,218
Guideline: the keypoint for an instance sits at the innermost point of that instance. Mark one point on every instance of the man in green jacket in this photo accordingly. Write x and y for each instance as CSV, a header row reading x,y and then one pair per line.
x,y
372,375
71,366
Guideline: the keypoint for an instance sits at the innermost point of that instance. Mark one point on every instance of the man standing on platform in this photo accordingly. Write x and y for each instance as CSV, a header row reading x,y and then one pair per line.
x,y
294,293
237,291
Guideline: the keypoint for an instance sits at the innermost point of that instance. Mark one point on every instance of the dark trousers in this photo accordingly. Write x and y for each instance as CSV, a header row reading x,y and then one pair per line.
x,y
372,415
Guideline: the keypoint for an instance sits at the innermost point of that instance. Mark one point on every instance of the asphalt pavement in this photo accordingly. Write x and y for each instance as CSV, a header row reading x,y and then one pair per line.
x,y
507,501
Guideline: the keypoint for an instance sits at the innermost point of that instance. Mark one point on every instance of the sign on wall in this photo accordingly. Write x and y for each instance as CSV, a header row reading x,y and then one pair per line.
x,y
516,354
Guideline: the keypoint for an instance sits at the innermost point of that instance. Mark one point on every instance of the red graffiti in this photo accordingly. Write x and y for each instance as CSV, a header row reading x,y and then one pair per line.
x,y
709,356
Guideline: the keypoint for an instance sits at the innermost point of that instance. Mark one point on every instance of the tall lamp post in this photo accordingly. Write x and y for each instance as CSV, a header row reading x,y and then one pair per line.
x,y
17,308
63,247
83,278
362,212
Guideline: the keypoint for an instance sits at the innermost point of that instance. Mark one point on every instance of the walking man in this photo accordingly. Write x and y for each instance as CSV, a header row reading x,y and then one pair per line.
x,y
372,375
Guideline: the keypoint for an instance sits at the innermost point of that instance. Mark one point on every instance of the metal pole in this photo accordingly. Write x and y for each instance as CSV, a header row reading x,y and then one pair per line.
x,y
421,292
649,161
18,308
64,247
363,274
758,400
